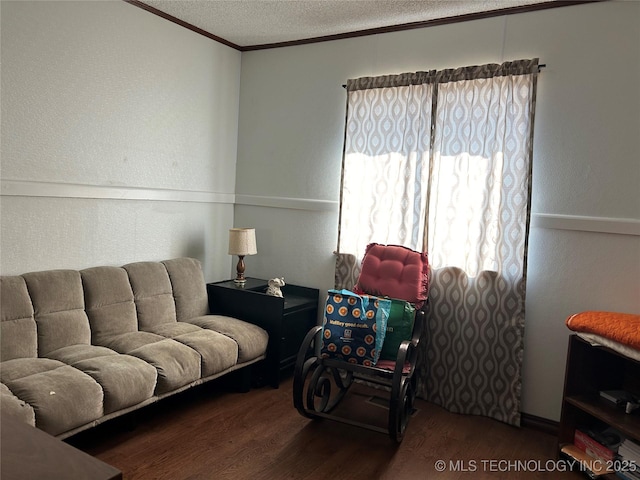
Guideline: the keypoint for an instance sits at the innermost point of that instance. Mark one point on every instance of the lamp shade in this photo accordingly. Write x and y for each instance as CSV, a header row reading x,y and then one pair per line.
x,y
242,241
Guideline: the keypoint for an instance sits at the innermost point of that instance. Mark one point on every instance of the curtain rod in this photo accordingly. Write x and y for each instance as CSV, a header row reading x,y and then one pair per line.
x,y
540,67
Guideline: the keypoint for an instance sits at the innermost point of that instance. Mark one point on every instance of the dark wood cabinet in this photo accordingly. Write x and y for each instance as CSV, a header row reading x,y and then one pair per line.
x,y
591,369
287,319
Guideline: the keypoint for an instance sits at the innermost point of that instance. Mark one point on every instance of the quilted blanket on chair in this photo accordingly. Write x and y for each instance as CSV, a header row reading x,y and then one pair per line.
x,y
621,327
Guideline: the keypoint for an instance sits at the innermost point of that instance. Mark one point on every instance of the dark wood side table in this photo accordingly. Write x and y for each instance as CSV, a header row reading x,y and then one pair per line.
x,y
28,453
287,320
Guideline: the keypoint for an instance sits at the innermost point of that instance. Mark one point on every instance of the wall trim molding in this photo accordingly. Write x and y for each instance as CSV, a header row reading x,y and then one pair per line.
x,y
30,188
288,202
538,423
22,188
620,226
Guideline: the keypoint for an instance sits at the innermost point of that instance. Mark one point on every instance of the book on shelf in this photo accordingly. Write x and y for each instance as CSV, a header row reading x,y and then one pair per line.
x,y
593,467
629,460
618,397
632,445
630,450
628,475
599,443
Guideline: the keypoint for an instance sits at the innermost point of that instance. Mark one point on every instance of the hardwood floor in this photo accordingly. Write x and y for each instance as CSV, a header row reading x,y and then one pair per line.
x,y
212,433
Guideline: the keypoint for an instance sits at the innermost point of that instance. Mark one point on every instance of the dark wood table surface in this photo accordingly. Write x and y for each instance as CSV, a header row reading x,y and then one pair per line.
x,y
29,453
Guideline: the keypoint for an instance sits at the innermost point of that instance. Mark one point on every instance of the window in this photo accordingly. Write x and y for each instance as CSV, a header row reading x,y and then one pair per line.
x,y
441,162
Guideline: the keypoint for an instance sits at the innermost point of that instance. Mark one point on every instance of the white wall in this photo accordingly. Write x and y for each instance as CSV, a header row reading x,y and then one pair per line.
x,y
586,161
119,135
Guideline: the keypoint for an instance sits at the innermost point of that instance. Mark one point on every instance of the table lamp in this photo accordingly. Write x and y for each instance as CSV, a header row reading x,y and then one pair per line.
x,y
242,241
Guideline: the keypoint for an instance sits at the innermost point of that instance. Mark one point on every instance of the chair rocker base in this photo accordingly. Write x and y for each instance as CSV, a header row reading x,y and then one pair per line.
x,y
321,387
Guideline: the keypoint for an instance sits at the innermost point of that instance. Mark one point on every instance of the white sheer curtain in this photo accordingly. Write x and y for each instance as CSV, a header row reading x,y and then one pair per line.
x,y
480,174
441,161
385,169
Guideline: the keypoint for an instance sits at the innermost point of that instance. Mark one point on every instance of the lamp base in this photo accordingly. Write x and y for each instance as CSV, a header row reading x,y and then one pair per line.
x,y
240,280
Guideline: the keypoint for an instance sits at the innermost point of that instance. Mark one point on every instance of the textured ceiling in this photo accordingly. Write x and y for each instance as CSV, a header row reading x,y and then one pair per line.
x,y
248,23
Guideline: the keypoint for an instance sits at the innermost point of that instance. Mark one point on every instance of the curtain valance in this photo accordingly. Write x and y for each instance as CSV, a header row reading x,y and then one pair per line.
x,y
517,67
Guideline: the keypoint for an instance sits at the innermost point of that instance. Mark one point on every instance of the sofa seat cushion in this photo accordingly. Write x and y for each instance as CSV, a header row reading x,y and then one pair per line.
x,y
251,339
217,352
62,398
75,353
177,364
125,380
16,408
125,342
23,367
173,329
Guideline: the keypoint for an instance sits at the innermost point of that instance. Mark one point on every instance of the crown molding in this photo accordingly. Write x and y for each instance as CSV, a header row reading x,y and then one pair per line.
x,y
372,31
182,23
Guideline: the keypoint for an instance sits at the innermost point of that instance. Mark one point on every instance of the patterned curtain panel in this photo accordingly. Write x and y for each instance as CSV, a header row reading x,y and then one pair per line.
x,y
477,233
441,161
386,162
347,271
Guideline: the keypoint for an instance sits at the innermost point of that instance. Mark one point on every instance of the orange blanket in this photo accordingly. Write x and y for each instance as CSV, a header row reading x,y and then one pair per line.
x,y
620,327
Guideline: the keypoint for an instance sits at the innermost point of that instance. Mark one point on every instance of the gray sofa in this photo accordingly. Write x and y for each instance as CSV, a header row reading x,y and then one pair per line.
x,y
81,347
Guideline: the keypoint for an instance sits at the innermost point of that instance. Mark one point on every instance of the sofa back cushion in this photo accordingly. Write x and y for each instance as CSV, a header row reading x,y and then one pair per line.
x,y
58,304
109,302
189,289
18,333
152,294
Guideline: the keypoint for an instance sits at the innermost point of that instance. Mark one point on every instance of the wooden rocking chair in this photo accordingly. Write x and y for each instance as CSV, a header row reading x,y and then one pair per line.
x,y
321,384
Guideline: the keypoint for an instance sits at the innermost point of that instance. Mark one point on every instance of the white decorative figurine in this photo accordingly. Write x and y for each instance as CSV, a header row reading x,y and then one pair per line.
x,y
274,287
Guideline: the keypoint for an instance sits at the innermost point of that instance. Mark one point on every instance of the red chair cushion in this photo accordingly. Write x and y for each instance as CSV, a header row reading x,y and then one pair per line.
x,y
394,271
